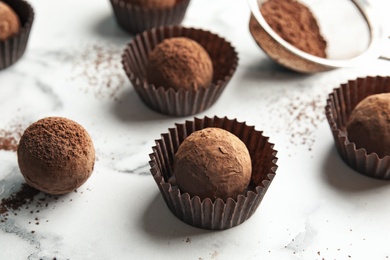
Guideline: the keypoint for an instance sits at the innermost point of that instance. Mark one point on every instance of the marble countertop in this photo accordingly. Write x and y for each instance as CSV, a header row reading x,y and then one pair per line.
x,y
316,208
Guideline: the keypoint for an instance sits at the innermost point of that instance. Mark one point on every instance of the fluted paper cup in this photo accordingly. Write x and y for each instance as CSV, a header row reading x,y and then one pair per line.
x,y
213,214
339,107
182,102
135,19
12,49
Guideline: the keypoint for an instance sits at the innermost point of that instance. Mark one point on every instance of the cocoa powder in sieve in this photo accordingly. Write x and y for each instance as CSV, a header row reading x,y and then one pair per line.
x,y
296,24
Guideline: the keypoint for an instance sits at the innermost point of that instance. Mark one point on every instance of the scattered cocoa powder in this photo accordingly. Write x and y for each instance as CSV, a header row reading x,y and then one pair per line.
x,y
300,116
9,138
17,200
29,201
305,116
100,67
296,24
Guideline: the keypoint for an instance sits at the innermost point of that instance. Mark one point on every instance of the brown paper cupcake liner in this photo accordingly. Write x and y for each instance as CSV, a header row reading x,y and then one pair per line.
x,y
338,109
218,214
135,19
181,102
13,48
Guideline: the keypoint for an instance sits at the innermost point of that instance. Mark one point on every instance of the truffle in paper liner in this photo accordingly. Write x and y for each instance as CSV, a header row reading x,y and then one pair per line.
x,y
135,19
181,102
13,48
218,214
338,109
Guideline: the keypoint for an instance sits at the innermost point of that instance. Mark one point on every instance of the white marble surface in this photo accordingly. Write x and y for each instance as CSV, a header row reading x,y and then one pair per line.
x,y
316,208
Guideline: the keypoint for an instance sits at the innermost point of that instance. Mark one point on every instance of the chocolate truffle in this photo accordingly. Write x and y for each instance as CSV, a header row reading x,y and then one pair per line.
x,y
369,124
152,3
212,163
9,21
179,62
56,155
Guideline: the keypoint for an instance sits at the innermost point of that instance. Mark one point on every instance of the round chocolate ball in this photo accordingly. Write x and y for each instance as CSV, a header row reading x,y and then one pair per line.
x,y
152,3
56,155
369,124
9,21
212,163
178,63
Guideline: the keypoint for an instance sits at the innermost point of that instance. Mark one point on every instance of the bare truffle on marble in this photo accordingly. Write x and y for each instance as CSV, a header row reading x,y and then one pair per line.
x,y
56,155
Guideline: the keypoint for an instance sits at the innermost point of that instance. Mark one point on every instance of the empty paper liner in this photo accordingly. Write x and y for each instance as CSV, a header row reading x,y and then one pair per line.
x,y
13,48
217,214
339,107
135,19
181,102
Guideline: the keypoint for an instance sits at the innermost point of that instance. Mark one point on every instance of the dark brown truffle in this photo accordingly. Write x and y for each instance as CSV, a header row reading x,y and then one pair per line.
x,y
9,21
179,62
56,155
152,3
212,163
369,124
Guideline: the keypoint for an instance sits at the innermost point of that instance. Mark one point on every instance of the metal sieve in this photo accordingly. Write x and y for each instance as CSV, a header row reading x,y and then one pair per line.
x,y
293,58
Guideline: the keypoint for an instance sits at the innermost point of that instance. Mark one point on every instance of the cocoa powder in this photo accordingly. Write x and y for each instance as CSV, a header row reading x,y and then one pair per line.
x,y
7,141
9,137
295,23
99,68
296,116
17,200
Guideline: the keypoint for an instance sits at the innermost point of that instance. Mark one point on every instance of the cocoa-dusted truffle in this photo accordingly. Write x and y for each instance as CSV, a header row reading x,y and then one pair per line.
x,y
56,155
9,21
179,62
369,124
152,3
212,163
